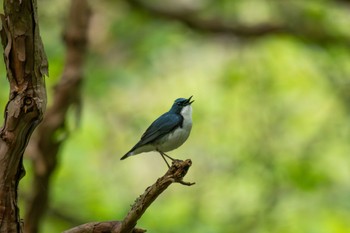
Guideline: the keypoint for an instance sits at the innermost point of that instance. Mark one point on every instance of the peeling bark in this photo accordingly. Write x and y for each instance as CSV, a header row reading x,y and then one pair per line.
x,y
26,66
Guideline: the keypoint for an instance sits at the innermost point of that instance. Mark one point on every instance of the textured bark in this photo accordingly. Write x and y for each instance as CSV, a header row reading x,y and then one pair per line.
x,y
45,144
26,66
175,174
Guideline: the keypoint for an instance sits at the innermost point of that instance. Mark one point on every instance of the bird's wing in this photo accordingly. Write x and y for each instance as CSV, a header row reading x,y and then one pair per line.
x,y
163,125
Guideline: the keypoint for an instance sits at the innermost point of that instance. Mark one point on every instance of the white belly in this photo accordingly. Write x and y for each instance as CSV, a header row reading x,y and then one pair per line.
x,y
173,140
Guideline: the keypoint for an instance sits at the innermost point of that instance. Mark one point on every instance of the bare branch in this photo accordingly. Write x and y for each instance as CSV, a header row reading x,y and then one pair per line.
x,y
175,174
100,227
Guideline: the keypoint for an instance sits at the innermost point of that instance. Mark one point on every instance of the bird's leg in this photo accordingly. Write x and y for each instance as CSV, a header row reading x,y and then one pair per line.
x,y
162,154
168,157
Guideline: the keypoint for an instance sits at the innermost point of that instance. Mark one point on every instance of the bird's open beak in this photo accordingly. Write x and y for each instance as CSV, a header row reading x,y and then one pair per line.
x,y
188,101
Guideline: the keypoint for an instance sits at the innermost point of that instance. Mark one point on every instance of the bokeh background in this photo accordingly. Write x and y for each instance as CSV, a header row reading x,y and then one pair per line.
x,y
270,141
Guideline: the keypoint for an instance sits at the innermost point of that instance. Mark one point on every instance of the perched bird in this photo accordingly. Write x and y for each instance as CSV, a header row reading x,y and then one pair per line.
x,y
168,132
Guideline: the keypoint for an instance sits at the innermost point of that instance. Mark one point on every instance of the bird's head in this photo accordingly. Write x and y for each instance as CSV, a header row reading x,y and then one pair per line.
x,y
180,103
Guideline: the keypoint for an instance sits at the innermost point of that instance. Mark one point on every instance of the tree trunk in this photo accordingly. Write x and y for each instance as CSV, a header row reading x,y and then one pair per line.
x,y
26,66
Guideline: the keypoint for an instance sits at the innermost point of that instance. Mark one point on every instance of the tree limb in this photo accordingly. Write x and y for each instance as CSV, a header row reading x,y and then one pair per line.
x,y
210,25
100,227
219,26
175,174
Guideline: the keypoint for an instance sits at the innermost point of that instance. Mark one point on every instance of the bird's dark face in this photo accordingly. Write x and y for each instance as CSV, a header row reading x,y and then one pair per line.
x,y
180,103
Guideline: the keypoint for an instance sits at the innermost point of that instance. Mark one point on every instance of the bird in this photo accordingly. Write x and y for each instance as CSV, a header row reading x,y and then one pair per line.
x,y
167,132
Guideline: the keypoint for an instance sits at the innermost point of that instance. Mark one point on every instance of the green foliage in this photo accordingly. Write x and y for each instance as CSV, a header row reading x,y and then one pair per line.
x,y
270,138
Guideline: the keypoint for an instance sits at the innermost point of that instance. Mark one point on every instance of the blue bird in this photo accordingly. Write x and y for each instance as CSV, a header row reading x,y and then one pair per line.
x,y
168,132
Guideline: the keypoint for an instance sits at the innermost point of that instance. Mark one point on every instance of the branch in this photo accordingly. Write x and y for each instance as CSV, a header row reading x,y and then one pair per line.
x,y
211,25
100,227
219,26
175,174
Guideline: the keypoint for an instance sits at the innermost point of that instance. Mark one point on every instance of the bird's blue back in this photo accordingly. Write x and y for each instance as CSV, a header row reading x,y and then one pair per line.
x,y
163,125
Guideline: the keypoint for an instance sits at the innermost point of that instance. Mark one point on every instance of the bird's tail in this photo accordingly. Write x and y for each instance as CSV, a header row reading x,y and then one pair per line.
x,y
126,155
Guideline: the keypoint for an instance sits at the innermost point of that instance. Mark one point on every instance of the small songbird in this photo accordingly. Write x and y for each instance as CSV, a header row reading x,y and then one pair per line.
x,y
168,132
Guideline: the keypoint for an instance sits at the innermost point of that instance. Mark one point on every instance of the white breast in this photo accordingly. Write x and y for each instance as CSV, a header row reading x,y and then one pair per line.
x,y
180,135
186,112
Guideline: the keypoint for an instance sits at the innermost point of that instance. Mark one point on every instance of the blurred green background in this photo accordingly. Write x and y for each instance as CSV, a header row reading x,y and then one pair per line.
x,y
270,141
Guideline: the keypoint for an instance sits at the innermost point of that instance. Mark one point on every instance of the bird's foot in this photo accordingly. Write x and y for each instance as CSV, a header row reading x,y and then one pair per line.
x,y
165,155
